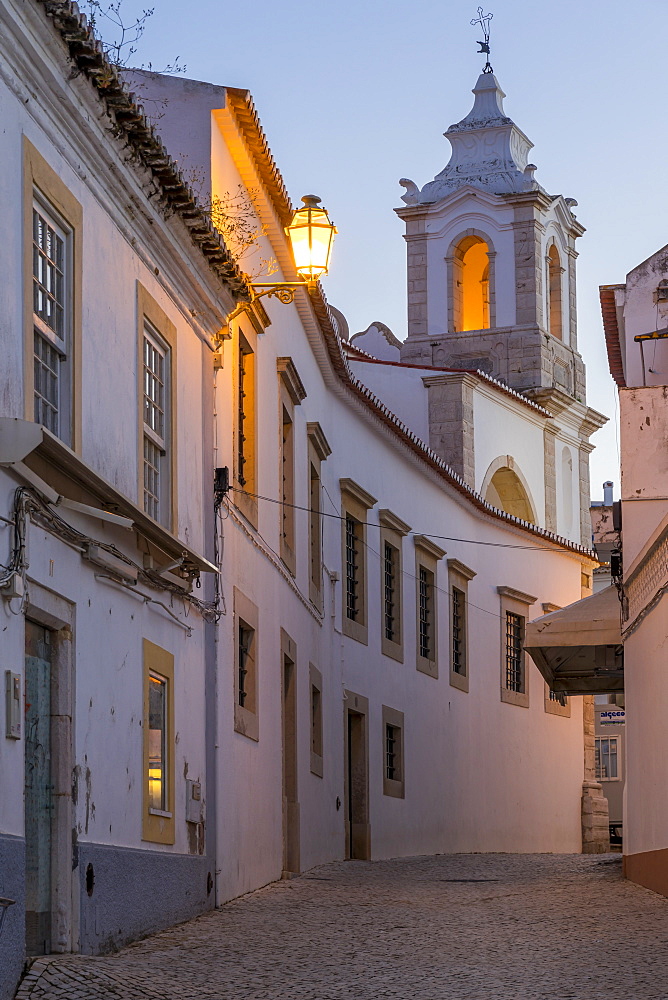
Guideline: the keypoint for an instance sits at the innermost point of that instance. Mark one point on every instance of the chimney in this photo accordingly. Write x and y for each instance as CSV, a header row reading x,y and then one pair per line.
x,y
607,494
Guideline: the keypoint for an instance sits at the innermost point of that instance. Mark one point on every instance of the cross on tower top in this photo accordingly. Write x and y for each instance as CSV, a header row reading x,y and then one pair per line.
x,y
483,20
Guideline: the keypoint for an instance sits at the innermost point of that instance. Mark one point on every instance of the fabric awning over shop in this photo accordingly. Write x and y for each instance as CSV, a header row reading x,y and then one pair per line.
x,y
579,649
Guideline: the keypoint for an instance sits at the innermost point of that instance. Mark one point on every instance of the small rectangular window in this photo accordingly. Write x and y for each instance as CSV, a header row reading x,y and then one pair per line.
x,y
390,592
156,374
352,567
393,752
245,685
606,751
425,598
315,678
316,721
287,491
458,627
315,542
246,667
157,743
514,661
560,697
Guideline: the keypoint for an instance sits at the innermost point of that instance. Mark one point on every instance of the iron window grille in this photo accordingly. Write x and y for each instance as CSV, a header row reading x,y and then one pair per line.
x,y
241,416
390,573
316,572
425,594
458,631
156,369
245,641
352,567
560,697
392,752
514,636
50,288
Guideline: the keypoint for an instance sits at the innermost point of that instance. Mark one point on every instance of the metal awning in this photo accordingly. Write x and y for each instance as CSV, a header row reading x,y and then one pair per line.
x,y
579,649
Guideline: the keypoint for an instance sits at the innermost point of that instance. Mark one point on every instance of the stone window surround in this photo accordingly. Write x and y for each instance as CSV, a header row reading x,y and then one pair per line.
x,y
357,502
40,177
392,531
394,787
159,828
516,602
246,721
453,263
318,451
427,554
459,576
315,683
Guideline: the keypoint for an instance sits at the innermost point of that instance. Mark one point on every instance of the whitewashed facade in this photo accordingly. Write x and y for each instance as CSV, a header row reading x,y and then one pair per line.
x,y
355,685
638,308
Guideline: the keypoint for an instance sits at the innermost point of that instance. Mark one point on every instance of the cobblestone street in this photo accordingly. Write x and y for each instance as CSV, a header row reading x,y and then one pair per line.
x,y
439,928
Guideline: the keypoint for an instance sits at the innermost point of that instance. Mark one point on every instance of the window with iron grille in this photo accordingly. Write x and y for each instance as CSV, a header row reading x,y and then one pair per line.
x,y
353,582
242,416
156,425
287,491
246,636
314,528
390,560
391,752
51,321
514,663
606,750
458,627
560,697
425,596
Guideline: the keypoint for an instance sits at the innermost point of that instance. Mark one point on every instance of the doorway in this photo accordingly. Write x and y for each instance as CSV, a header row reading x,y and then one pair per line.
x,y
358,838
38,787
291,862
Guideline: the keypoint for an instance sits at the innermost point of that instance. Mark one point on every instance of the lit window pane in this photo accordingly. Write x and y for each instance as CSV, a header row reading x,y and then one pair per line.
x,y
157,743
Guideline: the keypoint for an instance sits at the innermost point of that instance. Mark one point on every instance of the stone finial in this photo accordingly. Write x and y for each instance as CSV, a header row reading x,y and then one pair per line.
x,y
488,151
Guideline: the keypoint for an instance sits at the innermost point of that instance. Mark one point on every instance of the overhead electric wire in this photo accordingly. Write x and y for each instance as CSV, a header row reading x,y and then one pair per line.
x,y
371,524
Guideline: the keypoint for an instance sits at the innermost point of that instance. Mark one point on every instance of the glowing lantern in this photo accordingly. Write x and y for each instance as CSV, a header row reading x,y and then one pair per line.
x,y
311,235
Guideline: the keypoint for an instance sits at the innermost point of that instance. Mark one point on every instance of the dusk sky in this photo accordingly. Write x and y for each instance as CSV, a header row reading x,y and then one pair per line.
x,y
353,96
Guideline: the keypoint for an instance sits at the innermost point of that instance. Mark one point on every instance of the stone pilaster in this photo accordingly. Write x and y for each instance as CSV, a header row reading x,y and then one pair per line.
x,y
550,468
528,267
572,301
450,403
595,818
584,452
416,277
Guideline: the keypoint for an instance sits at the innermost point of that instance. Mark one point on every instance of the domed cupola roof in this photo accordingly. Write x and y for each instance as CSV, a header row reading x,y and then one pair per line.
x,y
489,151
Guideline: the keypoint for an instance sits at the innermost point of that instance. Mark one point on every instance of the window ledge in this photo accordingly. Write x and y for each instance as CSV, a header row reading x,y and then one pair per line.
x,y
159,812
65,472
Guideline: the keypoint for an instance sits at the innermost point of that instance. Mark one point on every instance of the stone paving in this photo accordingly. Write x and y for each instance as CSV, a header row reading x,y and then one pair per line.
x,y
507,927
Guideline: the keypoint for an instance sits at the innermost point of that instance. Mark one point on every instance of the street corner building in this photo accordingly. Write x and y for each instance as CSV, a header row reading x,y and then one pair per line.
x,y
265,584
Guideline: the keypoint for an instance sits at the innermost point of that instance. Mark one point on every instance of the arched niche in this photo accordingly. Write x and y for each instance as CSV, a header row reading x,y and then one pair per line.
x,y
555,319
471,299
505,487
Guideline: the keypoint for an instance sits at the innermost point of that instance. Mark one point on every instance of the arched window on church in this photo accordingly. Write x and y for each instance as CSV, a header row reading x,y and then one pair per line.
x,y
554,271
506,491
471,285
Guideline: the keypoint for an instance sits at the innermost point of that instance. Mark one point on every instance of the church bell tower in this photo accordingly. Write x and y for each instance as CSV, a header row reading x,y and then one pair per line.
x,y
491,261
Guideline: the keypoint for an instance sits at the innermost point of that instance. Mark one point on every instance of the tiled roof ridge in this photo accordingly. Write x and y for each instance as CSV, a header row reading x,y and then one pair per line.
x,y
335,347
369,358
611,330
88,55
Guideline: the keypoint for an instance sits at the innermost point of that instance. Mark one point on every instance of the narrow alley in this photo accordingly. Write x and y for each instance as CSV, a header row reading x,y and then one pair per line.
x,y
440,928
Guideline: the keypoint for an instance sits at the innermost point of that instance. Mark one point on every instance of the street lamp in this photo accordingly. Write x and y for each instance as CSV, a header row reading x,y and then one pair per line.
x,y
311,235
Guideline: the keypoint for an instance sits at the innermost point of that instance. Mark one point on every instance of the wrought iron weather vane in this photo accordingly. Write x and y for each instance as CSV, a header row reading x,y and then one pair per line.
x,y
483,20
